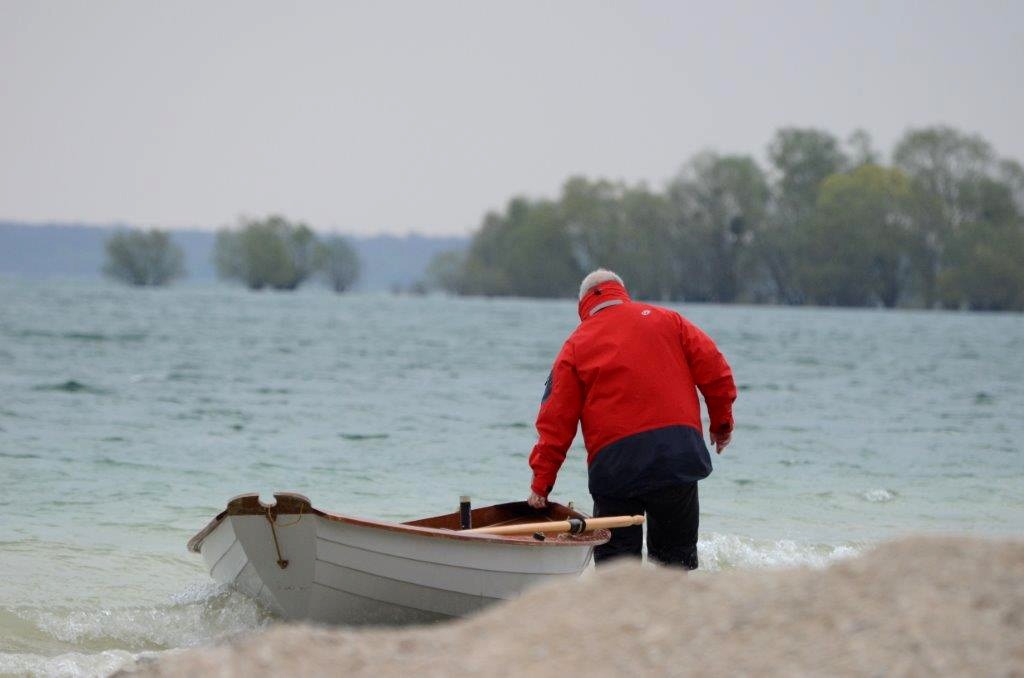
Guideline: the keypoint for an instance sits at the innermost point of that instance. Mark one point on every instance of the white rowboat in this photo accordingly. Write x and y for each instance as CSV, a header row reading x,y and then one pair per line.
x,y
308,564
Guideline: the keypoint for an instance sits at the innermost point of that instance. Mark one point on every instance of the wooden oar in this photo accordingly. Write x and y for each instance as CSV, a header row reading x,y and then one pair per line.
x,y
573,526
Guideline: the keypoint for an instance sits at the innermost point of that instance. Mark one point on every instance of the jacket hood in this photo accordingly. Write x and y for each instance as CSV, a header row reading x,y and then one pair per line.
x,y
600,295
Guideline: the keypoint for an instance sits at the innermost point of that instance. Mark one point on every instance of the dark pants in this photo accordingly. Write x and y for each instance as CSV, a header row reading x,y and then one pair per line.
x,y
673,514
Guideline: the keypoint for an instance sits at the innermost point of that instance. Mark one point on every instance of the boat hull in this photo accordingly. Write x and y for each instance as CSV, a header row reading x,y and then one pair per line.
x,y
340,570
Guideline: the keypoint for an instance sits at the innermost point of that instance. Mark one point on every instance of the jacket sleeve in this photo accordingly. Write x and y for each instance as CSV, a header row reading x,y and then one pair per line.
x,y
556,422
712,375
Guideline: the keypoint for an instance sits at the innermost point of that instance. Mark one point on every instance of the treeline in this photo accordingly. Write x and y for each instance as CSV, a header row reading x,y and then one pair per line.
x,y
826,223
260,253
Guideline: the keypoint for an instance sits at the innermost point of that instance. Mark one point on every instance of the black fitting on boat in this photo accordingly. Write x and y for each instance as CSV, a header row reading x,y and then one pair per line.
x,y
577,525
539,536
465,513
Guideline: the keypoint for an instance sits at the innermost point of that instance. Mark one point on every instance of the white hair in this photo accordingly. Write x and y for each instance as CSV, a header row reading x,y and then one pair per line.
x,y
597,277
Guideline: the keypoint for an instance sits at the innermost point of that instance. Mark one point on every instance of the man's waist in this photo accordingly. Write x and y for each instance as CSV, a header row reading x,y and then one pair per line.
x,y
602,439
644,460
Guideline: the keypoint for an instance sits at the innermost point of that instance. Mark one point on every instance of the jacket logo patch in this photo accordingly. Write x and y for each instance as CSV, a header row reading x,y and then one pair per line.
x,y
646,311
547,387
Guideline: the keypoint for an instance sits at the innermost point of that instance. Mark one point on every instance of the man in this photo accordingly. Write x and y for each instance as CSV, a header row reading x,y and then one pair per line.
x,y
630,373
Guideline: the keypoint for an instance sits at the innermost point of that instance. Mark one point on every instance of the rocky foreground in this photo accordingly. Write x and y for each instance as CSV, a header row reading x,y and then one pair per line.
x,y
921,606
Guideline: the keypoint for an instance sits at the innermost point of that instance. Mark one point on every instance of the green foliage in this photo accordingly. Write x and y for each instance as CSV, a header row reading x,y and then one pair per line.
x,y
143,258
985,269
340,263
803,159
983,259
445,271
271,252
944,164
719,204
826,226
524,252
618,227
862,152
858,249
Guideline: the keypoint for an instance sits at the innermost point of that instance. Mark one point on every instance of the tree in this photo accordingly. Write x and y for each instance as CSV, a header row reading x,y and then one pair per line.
x,y
305,254
862,151
524,252
1011,173
445,271
825,224
984,269
143,258
340,263
801,160
649,265
859,245
983,261
944,164
719,202
623,228
271,252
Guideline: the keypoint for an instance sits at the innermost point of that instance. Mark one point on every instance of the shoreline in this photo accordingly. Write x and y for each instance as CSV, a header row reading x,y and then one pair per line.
x,y
920,605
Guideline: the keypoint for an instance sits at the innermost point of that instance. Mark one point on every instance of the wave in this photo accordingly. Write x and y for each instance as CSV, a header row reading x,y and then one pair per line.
x,y
121,463
71,386
16,455
201,613
105,640
81,336
880,496
727,552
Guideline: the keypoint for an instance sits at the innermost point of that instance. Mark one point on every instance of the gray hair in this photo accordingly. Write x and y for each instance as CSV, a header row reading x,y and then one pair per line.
x,y
597,277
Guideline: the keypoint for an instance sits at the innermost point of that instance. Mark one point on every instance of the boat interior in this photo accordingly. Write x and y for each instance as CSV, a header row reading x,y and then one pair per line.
x,y
447,525
513,513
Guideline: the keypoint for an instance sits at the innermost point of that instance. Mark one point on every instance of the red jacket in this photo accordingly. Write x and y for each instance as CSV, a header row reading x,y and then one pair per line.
x,y
630,373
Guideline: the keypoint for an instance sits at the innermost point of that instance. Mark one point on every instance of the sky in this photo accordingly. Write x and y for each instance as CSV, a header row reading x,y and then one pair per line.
x,y
391,117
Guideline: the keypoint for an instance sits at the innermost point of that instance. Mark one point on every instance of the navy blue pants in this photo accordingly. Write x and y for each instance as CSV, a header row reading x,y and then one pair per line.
x,y
673,515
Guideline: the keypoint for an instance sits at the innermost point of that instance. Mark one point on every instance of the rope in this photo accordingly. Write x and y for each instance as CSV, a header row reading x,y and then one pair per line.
x,y
297,519
281,562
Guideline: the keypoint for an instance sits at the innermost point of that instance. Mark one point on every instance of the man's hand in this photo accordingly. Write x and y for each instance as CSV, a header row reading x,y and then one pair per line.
x,y
536,501
720,441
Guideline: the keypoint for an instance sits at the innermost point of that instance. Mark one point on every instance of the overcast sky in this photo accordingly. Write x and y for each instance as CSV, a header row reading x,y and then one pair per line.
x,y
390,117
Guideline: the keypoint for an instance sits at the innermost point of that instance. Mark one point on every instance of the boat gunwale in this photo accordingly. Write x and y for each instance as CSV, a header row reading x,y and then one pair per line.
x,y
293,503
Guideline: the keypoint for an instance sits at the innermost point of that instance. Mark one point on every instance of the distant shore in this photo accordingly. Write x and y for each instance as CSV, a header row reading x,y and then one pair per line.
x,y
918,606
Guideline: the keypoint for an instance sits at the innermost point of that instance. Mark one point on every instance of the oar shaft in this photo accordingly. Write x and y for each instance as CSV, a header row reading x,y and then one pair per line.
x,y
551,527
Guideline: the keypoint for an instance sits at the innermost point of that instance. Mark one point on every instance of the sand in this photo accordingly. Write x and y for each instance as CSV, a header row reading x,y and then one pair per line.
x,y
920,606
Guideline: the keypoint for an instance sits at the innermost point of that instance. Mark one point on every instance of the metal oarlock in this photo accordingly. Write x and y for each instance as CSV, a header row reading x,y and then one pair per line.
x,y
465,513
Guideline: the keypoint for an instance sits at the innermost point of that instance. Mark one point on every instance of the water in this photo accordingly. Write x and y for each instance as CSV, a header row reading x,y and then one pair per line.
x,y
128,417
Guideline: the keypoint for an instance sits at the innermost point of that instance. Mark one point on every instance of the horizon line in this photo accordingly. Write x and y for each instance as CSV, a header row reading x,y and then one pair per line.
x,y
114,225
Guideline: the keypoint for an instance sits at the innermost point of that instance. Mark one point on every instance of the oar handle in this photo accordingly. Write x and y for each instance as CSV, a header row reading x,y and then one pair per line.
x,y
573,525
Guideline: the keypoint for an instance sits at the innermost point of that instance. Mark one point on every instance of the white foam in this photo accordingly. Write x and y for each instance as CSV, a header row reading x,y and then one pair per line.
x,y
199,592
727,551
199,614
879,496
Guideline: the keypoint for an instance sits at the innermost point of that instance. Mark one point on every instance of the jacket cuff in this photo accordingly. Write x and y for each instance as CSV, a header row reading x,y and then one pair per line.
x,y
541,488
722,422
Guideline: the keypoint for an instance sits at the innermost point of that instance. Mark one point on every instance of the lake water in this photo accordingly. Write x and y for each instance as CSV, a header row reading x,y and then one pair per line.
x,y
128,418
